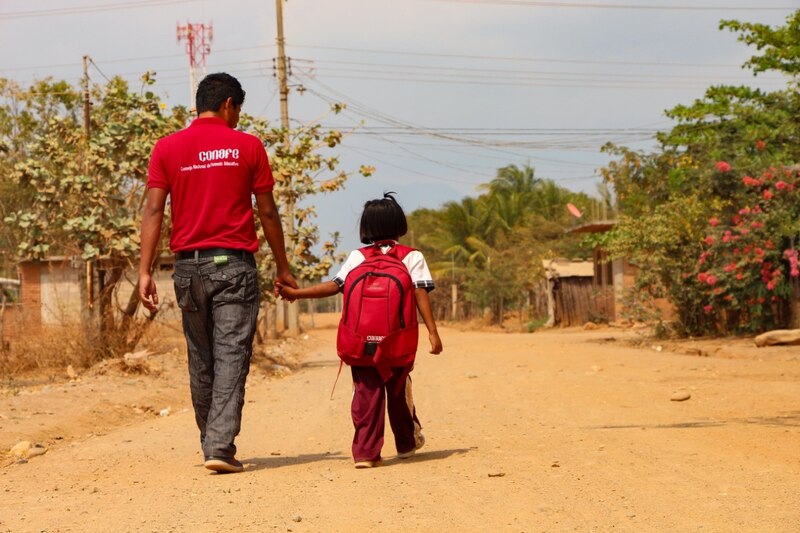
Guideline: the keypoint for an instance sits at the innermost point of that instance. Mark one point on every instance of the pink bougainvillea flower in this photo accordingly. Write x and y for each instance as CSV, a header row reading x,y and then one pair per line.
x,y
740,276
708,309
709,240
747,180
770,285
760,145
769,245
780,185
711,279
722,166
730,267
744,211
714,221
756,224
759,252
768,195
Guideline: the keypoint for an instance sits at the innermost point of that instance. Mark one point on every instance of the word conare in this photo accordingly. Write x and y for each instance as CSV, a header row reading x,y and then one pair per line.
x,y
222,153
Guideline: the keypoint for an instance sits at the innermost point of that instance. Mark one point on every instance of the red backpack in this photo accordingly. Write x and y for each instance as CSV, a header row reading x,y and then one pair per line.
x,y
379,313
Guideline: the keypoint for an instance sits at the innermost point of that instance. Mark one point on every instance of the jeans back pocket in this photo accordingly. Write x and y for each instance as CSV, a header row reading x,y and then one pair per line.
x,y
183,292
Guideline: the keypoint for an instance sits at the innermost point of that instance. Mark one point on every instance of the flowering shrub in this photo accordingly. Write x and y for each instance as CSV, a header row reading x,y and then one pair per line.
x,y
748,270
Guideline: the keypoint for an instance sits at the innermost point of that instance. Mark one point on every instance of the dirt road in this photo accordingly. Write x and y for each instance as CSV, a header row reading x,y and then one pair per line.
x,y
552,431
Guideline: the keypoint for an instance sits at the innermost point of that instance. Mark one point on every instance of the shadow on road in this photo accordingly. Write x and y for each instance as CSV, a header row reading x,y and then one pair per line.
x,y
258,463
432,455
791,419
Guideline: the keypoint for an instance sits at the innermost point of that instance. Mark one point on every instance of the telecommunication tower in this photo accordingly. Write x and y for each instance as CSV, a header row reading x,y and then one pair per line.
x,y
198,37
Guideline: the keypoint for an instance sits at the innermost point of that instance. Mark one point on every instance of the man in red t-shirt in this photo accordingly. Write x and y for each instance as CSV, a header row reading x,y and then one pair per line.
x,y
210,171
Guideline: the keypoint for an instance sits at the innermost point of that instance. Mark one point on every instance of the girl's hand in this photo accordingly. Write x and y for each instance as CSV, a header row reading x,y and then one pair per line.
x,y
284,291
436,342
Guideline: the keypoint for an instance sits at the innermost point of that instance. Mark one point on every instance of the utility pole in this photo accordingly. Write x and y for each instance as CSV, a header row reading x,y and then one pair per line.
x,y
87,128
292,315
198,38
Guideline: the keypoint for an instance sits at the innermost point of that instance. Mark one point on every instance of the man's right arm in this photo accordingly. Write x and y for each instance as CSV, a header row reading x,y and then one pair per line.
x,y
273,231
151,232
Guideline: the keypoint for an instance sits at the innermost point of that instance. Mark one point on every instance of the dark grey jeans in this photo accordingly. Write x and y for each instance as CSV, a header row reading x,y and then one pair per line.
x,y
219,304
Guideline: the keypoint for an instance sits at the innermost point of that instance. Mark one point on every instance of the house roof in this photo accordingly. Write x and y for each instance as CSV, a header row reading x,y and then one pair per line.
x,y
564,268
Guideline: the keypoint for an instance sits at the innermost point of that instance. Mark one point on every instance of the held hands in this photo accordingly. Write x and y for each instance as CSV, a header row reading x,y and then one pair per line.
x,y
284,284
436,342
284,291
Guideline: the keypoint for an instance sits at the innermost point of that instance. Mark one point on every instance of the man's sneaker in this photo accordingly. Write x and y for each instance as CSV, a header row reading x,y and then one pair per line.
x,y
367,464
223,465
410,453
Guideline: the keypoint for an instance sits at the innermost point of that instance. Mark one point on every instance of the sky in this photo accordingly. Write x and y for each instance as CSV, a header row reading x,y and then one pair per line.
x,y
439,93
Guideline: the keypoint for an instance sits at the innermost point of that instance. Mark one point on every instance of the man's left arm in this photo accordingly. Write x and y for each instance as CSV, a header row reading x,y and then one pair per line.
x,y
273,232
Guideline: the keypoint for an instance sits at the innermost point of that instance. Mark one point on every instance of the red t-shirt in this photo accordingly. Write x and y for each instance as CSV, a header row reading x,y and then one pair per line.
x,y
211,172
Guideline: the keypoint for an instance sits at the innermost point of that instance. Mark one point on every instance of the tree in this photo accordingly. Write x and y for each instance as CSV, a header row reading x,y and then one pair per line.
x,y
24,115
493,245
668,196
86,193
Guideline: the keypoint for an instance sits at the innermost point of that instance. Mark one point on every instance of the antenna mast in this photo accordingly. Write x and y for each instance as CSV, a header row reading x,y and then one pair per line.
x,y
198,37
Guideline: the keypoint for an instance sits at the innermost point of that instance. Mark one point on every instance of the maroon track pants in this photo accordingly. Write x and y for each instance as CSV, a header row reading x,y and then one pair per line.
x,y
369,395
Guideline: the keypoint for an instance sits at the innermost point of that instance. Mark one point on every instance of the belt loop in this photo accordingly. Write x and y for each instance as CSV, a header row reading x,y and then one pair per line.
x,y
197,256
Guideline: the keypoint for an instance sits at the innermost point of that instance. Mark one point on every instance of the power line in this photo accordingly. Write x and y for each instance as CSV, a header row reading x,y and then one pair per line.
x,y
653,63
532,3
469,71
90,9
603,85
98,68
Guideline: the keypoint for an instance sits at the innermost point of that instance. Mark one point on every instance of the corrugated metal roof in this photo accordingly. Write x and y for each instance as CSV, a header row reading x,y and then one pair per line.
x,y
564,268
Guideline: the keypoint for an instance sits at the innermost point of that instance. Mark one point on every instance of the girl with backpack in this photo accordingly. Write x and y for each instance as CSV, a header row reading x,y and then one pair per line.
x,y
384,284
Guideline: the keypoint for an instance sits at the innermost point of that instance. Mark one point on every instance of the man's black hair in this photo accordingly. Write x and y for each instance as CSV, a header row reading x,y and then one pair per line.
x,y
382,219
215,89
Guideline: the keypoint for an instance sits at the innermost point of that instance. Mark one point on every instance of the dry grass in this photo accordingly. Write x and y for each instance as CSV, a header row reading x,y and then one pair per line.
x,y
47,348
51,349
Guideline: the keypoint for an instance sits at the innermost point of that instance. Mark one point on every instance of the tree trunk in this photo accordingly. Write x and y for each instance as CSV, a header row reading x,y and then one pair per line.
x,y
2,321
794,305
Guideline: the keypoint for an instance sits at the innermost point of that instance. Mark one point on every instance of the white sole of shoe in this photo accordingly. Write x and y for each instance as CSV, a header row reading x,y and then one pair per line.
x,y
420,444
221,466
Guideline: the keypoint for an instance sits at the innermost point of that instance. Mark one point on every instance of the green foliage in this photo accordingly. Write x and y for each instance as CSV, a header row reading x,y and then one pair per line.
x,y
749,264
493,245
668,197
780,47
84,193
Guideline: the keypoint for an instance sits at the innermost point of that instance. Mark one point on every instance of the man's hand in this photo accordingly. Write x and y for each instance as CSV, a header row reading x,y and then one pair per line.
x,y
286,279
436,342
148,293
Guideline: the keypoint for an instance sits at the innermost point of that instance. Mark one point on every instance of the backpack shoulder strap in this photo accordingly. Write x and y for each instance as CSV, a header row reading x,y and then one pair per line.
x,y
401,251
369,250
